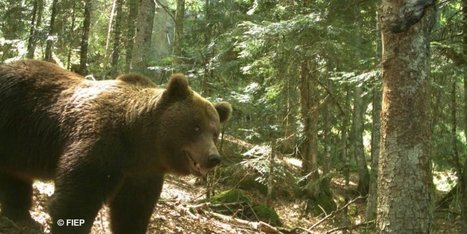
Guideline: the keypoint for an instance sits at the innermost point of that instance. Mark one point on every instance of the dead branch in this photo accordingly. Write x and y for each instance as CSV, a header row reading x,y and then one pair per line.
x,y
332,214
257,226
351,227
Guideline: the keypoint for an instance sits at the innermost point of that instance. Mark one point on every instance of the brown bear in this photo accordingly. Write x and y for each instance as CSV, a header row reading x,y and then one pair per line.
x,y
100,141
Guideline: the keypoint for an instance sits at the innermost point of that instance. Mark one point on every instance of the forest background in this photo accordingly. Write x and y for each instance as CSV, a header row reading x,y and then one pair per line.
x,y
305,79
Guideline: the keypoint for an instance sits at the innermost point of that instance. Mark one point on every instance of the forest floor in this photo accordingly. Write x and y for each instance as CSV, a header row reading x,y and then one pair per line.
x,y
181,210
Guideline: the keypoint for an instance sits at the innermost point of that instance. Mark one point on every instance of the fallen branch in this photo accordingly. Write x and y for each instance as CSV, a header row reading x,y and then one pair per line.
x,y
332,214
351,227
258,226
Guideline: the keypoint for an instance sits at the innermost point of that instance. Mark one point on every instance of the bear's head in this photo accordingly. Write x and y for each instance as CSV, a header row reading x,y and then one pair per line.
x,y
189,129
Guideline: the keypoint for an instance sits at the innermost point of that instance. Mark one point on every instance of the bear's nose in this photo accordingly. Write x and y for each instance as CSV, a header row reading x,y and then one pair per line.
x,y
213,160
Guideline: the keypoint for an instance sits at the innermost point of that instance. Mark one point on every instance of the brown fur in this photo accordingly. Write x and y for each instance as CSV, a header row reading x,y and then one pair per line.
x,y
137,79
99,141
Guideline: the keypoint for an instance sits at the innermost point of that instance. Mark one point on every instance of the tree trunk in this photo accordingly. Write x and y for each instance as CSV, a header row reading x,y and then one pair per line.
x,y
178,36
375,139
404,179
317,189
35,24
143,35
109,30
345,220
70,34
32,30
83,56
117,34
50,37
309,112
208,73
162,33
132,14
359,153
464,187
327,133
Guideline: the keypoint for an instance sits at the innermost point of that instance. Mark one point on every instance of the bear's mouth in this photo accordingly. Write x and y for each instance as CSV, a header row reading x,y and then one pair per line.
x,y
195,167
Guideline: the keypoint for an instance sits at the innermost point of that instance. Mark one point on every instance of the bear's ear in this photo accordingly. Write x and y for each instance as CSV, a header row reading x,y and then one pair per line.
x,y
224,109
177,87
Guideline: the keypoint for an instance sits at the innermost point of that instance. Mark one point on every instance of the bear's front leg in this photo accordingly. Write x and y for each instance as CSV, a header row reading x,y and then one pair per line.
x,y
81,187
133,204
15,197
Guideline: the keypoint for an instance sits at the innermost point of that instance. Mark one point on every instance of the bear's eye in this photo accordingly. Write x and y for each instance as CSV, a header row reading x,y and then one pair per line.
x,y
197,129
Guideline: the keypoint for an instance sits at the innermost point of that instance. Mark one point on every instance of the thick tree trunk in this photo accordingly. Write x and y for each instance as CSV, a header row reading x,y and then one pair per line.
x,y
50,37
143,35
404,179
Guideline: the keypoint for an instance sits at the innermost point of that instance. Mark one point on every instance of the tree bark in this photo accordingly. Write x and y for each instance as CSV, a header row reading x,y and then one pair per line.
x,y
143,35
317,188
131,26
359,153
70,34
375,139
36,20
117,35
309,112
370,213
163,31
51,35
178,36
345,154
404,179
109,29
208,71
83,56
464,187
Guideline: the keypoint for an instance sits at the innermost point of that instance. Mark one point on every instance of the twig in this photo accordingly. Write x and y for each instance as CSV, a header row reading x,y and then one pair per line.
x,y
350,227
333,213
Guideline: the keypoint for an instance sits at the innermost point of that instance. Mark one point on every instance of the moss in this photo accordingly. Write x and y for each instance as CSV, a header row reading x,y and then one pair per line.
x,y
266,214
251,184
235,202
230,202
230,196
316,205
319,197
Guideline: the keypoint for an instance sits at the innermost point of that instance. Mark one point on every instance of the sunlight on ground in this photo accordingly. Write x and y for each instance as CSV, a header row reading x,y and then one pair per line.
x,y
44,187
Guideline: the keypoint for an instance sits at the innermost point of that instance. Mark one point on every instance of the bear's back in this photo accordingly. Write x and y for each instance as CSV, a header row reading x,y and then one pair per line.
x,y
29,91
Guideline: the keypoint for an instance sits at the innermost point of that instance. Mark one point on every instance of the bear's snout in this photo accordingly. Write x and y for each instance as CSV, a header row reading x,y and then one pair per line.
x,y
214,160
